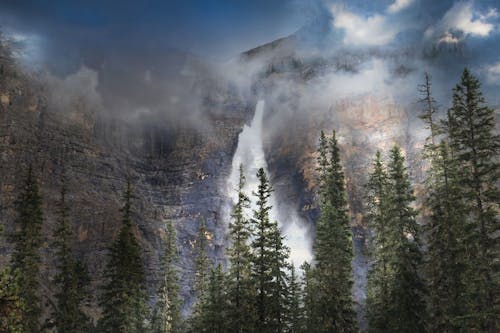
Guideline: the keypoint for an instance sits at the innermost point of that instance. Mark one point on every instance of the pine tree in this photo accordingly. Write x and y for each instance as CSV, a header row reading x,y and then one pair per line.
x,y
202,274
380,275
446,261
333,247
240,292
214,311
11,304
408,308
123,299
428,114
309,299
279,295
268,263
71,280
26,258
167,313
474,145
295,319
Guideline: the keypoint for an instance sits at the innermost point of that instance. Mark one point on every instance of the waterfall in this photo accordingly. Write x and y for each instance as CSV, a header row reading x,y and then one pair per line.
x,y
250,153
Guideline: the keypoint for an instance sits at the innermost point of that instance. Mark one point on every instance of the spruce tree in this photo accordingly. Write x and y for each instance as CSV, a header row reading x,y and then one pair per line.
x,y
333,250
11,304
240,293
26,257
295,318
201,278
214,310
474,145
71,279
279,294
380,275
408,308
445,261
123,299
309,299
167,312
268,263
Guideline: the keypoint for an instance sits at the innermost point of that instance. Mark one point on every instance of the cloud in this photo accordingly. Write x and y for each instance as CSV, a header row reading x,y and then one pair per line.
x,y
399,5
461,21
373,30
493,73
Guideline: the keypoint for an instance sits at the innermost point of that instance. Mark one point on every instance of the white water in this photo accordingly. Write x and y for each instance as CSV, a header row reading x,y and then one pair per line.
x,y
250,153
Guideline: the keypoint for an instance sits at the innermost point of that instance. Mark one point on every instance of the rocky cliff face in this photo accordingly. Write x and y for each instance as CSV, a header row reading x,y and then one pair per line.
x,y
179,171
177,174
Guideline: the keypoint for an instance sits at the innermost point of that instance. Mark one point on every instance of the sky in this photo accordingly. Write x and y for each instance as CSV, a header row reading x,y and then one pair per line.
x,y
70,33
128,45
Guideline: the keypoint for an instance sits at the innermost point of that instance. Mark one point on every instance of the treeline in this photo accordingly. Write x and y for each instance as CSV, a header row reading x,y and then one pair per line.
x,y
442,275
437,276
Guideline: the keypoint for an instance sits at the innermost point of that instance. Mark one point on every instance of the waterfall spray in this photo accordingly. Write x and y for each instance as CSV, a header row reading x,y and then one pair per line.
x,y
250,153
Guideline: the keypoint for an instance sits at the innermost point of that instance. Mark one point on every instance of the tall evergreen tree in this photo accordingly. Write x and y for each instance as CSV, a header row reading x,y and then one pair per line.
x,y
309,299
167,312
71,279
268,263
295,319
445,261
429,109
380,275
123,299
26,257
408,308
201,278
333,247
279,310
240,292
474,145
214,305
11,304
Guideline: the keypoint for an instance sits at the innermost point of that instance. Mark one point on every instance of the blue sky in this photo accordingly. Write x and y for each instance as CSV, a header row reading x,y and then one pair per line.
x,y
88,31
126,41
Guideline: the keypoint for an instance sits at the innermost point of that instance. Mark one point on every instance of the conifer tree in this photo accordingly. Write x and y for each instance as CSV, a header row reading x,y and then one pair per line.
x,y
474,145
268,263
295,320
167,312
279,295
123,299
380,275
11,304
26,257
445,261
333,247
71,279
240,292
309,299
214,310
428,114
408,308
201,278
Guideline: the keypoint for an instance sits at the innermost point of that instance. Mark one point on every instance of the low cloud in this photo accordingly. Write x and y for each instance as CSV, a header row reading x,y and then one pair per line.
x,y
492,72
399,5
461,21
374,30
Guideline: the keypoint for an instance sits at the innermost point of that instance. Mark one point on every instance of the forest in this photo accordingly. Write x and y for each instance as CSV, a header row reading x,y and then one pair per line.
x,y
434,266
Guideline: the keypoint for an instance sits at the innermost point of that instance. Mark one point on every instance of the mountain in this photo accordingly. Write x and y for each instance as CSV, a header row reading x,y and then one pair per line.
x,y
179,166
